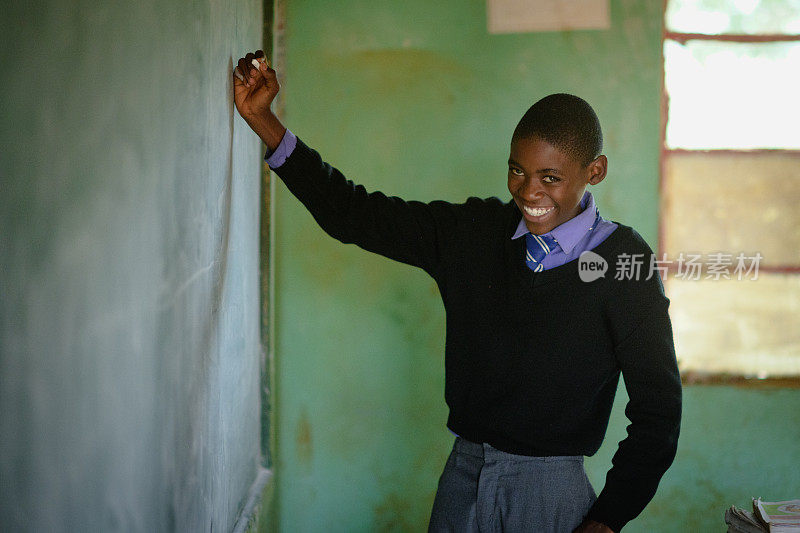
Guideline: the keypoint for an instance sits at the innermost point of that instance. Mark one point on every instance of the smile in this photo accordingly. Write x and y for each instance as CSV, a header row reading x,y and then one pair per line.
x,y
537,211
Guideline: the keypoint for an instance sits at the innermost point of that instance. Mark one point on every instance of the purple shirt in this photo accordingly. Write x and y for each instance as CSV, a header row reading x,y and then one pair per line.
x,y
576,235
283,151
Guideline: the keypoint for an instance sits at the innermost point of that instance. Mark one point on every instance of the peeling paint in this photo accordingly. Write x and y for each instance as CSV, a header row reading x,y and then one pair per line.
x,y
391,514
303,442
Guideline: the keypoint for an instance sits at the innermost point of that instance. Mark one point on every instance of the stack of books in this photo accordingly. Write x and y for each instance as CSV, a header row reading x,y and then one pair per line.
x,y
767,517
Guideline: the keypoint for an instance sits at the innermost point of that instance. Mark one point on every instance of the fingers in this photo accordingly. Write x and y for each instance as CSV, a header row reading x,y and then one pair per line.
x,y
244,68
248,68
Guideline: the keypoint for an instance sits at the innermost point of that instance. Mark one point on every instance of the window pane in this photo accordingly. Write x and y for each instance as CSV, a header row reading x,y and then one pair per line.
x,y
733,16
732,95
733,202
736,326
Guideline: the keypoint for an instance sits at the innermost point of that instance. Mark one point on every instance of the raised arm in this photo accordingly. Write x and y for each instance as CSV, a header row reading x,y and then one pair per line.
x,y
411,232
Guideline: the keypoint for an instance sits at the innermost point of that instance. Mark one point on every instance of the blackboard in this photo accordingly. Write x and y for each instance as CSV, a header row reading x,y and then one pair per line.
x,y
129,234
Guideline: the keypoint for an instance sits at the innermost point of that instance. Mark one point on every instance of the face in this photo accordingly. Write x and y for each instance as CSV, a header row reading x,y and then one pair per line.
x,y
546,184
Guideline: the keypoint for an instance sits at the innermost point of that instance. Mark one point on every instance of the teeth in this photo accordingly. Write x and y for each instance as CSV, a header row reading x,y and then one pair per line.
x,y
537,211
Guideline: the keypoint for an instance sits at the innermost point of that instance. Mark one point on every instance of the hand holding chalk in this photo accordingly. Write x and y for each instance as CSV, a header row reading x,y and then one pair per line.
x,y
255,85
255,62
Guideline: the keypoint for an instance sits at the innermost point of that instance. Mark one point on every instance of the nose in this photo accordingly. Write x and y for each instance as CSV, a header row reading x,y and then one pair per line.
x,y
531,189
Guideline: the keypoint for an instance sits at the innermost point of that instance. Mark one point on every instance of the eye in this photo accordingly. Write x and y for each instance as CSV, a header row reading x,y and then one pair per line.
x,y
551,179
516,171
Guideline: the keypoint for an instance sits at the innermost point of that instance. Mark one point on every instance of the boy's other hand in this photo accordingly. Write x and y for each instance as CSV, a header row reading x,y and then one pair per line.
x,y
590,526
255,94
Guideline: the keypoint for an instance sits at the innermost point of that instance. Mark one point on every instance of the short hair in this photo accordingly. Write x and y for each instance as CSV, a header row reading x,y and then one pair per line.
x,y
567,122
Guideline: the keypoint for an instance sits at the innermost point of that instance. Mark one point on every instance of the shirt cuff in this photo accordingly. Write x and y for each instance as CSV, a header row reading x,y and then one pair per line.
x,y
283,151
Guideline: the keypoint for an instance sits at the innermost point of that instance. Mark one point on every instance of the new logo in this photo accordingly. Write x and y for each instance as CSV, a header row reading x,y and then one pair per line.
x,y
591,266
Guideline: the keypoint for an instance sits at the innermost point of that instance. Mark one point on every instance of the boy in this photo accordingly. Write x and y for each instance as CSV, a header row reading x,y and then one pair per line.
x,y
534,348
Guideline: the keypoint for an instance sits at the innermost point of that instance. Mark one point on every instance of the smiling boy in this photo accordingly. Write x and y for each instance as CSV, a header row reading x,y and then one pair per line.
x,y
533,354
546,184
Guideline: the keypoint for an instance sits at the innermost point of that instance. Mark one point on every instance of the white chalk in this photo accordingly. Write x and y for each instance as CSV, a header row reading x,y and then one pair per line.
x,y
256,63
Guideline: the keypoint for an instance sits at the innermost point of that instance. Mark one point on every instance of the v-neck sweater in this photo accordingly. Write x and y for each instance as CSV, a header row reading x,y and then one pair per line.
x,y
532,359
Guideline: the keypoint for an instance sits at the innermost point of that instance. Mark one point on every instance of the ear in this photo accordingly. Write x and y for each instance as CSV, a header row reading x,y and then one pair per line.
x,y
597,169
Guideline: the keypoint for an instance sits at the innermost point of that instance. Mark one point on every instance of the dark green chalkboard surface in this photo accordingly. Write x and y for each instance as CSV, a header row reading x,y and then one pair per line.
x,y
129,304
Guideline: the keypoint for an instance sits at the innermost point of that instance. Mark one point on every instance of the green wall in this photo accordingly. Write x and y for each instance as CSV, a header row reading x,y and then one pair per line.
x,y
416,99
129,294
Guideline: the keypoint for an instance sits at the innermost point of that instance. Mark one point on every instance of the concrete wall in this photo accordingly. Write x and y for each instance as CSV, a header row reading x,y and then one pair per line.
x,y
416,99
129,316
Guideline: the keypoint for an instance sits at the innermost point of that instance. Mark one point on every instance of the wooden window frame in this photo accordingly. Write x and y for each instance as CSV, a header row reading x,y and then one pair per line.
x,y
695,377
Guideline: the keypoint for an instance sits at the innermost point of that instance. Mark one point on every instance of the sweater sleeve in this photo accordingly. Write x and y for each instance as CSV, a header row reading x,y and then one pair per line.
x,y
411,232
639,321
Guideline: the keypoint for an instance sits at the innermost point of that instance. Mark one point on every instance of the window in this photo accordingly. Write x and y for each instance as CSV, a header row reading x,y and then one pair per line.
x,y
730,184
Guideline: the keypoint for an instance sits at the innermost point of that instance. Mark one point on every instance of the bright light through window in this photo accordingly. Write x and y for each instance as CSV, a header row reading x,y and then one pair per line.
x,y
734,16
732,78
732,95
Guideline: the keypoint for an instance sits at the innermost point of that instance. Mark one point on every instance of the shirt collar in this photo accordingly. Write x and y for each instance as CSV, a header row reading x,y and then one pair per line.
x,y
570,232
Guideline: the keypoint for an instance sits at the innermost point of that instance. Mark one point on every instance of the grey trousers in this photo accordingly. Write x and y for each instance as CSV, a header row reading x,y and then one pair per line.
x,y
483,489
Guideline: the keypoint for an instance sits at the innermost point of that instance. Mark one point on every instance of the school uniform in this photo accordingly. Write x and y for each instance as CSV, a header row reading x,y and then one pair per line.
x,y
533,353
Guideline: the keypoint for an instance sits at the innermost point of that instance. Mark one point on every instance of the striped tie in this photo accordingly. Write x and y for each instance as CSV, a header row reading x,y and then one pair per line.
x,y
538,247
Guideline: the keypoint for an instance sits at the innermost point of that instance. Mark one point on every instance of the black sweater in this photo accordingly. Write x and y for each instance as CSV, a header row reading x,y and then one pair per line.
x,y
532,360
